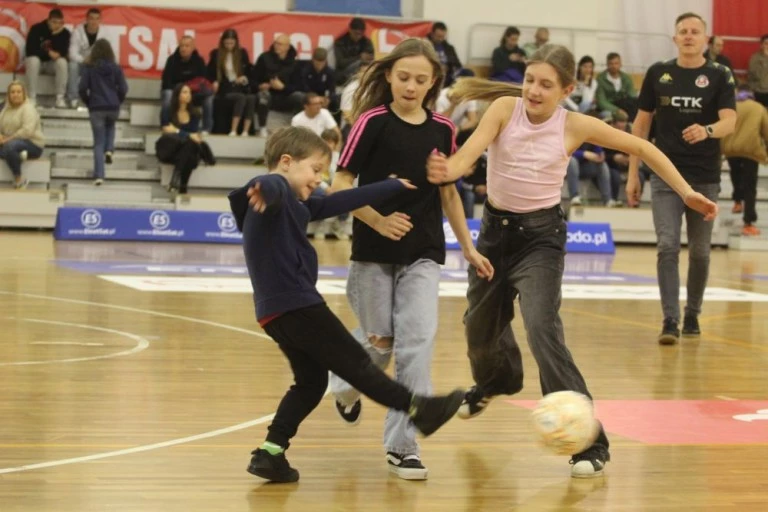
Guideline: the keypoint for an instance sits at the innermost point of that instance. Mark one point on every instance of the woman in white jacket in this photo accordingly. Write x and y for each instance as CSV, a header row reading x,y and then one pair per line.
x,y
83,37
582,99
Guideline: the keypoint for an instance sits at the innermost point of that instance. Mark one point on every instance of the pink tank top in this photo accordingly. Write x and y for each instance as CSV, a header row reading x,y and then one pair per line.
x,y
527,163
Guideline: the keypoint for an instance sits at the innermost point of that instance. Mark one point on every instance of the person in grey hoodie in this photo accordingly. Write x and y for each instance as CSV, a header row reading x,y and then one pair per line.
x,y
102,89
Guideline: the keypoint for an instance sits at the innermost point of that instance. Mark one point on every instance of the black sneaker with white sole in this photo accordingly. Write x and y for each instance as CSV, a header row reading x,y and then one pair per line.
x,y
407,467
350,413
429,413
669,332
274,468
590,463
474,403
691,326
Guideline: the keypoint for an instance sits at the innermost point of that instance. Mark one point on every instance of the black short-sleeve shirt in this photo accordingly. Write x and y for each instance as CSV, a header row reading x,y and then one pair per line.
x,y
681,97
381,144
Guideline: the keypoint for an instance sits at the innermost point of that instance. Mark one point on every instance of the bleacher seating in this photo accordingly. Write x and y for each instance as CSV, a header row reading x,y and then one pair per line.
x,y
223,146
37,171
222,177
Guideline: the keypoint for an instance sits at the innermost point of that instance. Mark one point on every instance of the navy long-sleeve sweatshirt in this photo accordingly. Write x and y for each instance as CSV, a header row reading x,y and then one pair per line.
x,y
281,262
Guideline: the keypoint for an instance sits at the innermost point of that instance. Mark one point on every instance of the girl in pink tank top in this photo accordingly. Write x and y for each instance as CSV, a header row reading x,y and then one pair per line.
x,y
523,234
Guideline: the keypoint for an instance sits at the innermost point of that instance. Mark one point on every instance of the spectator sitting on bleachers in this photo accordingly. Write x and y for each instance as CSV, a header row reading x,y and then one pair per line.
x,y
314,116
103,89
318,77
21,134
186,66
83,38
46,50
540,39
228,69
463,115
348,101
582,99
351,51
272,79
588,162
449,59
757,73
618,162
508,59
181,143
615,89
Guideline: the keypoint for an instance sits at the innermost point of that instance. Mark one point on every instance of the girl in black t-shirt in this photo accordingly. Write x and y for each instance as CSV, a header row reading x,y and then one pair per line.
x,y
397,250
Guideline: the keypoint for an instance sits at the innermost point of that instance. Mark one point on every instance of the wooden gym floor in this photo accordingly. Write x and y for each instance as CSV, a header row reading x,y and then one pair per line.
x,y
114,398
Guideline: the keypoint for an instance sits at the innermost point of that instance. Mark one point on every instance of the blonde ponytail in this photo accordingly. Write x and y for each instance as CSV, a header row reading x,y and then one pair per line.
x,y
483,90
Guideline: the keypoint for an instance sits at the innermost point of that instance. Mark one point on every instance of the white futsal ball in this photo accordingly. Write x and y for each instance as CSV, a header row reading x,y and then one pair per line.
x,y
565,422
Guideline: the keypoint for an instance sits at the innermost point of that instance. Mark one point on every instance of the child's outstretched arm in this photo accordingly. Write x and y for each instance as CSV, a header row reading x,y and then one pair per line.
x,y
590,129
262,193
351,199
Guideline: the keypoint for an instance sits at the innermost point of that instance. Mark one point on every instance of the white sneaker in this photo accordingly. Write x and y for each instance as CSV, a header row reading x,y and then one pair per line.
x,y
233,134
590,463
244,134
263,133
98,182
74,104
576,201
61,102
612,203
23,155
205,133
407,467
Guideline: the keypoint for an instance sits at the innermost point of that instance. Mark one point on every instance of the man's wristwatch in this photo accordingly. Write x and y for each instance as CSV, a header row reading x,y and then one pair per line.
x,y
710,130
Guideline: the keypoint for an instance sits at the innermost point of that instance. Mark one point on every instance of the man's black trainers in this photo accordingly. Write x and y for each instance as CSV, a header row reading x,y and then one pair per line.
x,y
429,413
407,467
274,468
474,403
589,463
691,326
669,333
350,414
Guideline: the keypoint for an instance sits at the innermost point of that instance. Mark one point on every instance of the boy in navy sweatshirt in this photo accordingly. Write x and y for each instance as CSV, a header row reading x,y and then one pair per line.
x,y
273,211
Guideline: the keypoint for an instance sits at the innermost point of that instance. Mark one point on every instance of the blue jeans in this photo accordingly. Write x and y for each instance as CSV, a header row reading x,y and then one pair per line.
x,y
11,153
103,127
398,302
598,173
207,101
528,252
668,210
73,81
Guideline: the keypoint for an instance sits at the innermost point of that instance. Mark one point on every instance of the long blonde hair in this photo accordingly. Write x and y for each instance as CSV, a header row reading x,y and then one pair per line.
x,y
375,90
557,56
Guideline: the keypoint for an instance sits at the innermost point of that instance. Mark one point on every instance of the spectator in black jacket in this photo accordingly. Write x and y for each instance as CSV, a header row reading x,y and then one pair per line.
x,y
352,49
715,52
449,59
102,89
318,77
228,68
272,80
46,49
508,60
185,65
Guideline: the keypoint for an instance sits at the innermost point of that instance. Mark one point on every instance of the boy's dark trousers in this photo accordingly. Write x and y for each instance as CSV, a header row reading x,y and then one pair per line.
x,y
315,341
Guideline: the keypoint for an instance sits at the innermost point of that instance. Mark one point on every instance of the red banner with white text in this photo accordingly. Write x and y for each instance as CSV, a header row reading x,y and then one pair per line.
x,y
144,38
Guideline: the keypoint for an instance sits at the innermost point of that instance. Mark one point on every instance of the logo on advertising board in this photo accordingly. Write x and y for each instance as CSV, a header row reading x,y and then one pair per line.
x,y
160,221
588,237
227,228
90,225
